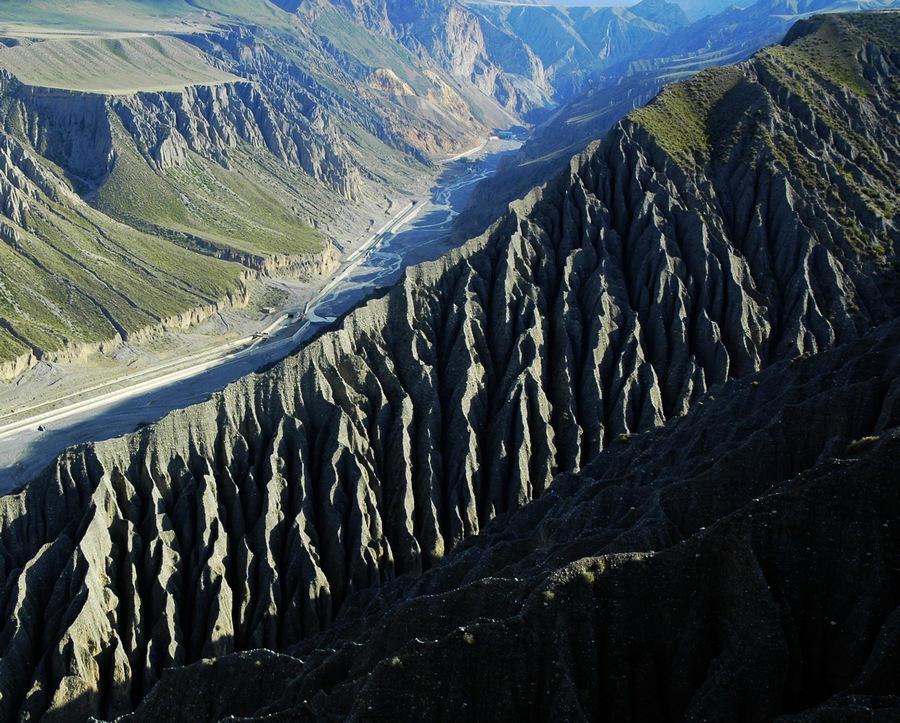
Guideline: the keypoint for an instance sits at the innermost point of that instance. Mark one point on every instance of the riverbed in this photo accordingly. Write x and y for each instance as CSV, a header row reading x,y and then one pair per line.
x,y
420,232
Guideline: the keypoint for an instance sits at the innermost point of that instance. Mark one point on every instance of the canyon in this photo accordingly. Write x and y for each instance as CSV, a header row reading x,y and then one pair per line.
x,y
621,454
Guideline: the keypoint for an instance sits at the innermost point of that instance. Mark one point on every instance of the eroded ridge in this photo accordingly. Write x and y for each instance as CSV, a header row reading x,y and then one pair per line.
x,y
607,304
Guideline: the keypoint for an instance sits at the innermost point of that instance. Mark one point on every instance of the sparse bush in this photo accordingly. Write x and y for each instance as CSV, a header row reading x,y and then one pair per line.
x,y
861,444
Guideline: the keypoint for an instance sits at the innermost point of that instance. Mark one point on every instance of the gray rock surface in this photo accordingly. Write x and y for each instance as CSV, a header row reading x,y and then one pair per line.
x,y
615,300
75,130
738,564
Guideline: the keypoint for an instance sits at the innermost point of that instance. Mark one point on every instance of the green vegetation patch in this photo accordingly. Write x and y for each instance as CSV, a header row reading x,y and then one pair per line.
x,y
693,119
251,207
133,192
74,275
67,282
679,117
79,277
112,65
829,51
881,28
10,347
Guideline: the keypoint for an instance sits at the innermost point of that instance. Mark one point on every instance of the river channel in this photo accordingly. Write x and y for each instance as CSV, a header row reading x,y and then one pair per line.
x,y
421,232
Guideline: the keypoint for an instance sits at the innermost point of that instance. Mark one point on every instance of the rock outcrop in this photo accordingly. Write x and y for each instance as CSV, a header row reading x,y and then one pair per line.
x,y
740,563
525,56
75,131
663,268
212,119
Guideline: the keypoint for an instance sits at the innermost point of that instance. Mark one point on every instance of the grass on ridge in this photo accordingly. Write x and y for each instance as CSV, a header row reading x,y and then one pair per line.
x,y
113,65
679,116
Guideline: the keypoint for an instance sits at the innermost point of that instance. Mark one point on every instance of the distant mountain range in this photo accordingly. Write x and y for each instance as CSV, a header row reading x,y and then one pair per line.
x,y
610,91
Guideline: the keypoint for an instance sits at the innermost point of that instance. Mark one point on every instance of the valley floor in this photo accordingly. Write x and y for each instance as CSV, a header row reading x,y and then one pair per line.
x,y
54,406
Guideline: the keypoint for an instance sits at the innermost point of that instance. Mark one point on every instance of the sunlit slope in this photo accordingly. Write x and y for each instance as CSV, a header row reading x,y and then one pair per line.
x,y
42,16
198,159
70,275
169,228
117,64
722,115
123,212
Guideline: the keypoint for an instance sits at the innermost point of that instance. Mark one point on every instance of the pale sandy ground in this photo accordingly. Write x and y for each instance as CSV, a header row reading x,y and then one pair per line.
x,y
49,381
110,63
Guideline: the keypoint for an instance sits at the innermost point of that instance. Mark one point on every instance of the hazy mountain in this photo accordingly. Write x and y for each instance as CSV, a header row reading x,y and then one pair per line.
x,y
573,43
681,351
607,95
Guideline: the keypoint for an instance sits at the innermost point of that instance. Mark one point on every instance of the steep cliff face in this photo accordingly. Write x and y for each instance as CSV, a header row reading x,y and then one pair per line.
x,y
461,42
169,125
525,56
75,130
666,261
294,93
72,129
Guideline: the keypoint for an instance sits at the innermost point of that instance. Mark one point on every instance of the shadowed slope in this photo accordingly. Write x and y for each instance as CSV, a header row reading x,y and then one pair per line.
x,y
738,564
608,303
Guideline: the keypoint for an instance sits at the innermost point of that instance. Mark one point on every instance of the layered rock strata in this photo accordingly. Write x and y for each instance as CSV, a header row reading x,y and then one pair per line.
x,y
613,301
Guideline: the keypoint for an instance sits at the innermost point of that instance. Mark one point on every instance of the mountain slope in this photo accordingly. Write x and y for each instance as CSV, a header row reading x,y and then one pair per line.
x,y
629,81
740,563
142,197
101,239
616,299
573,44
